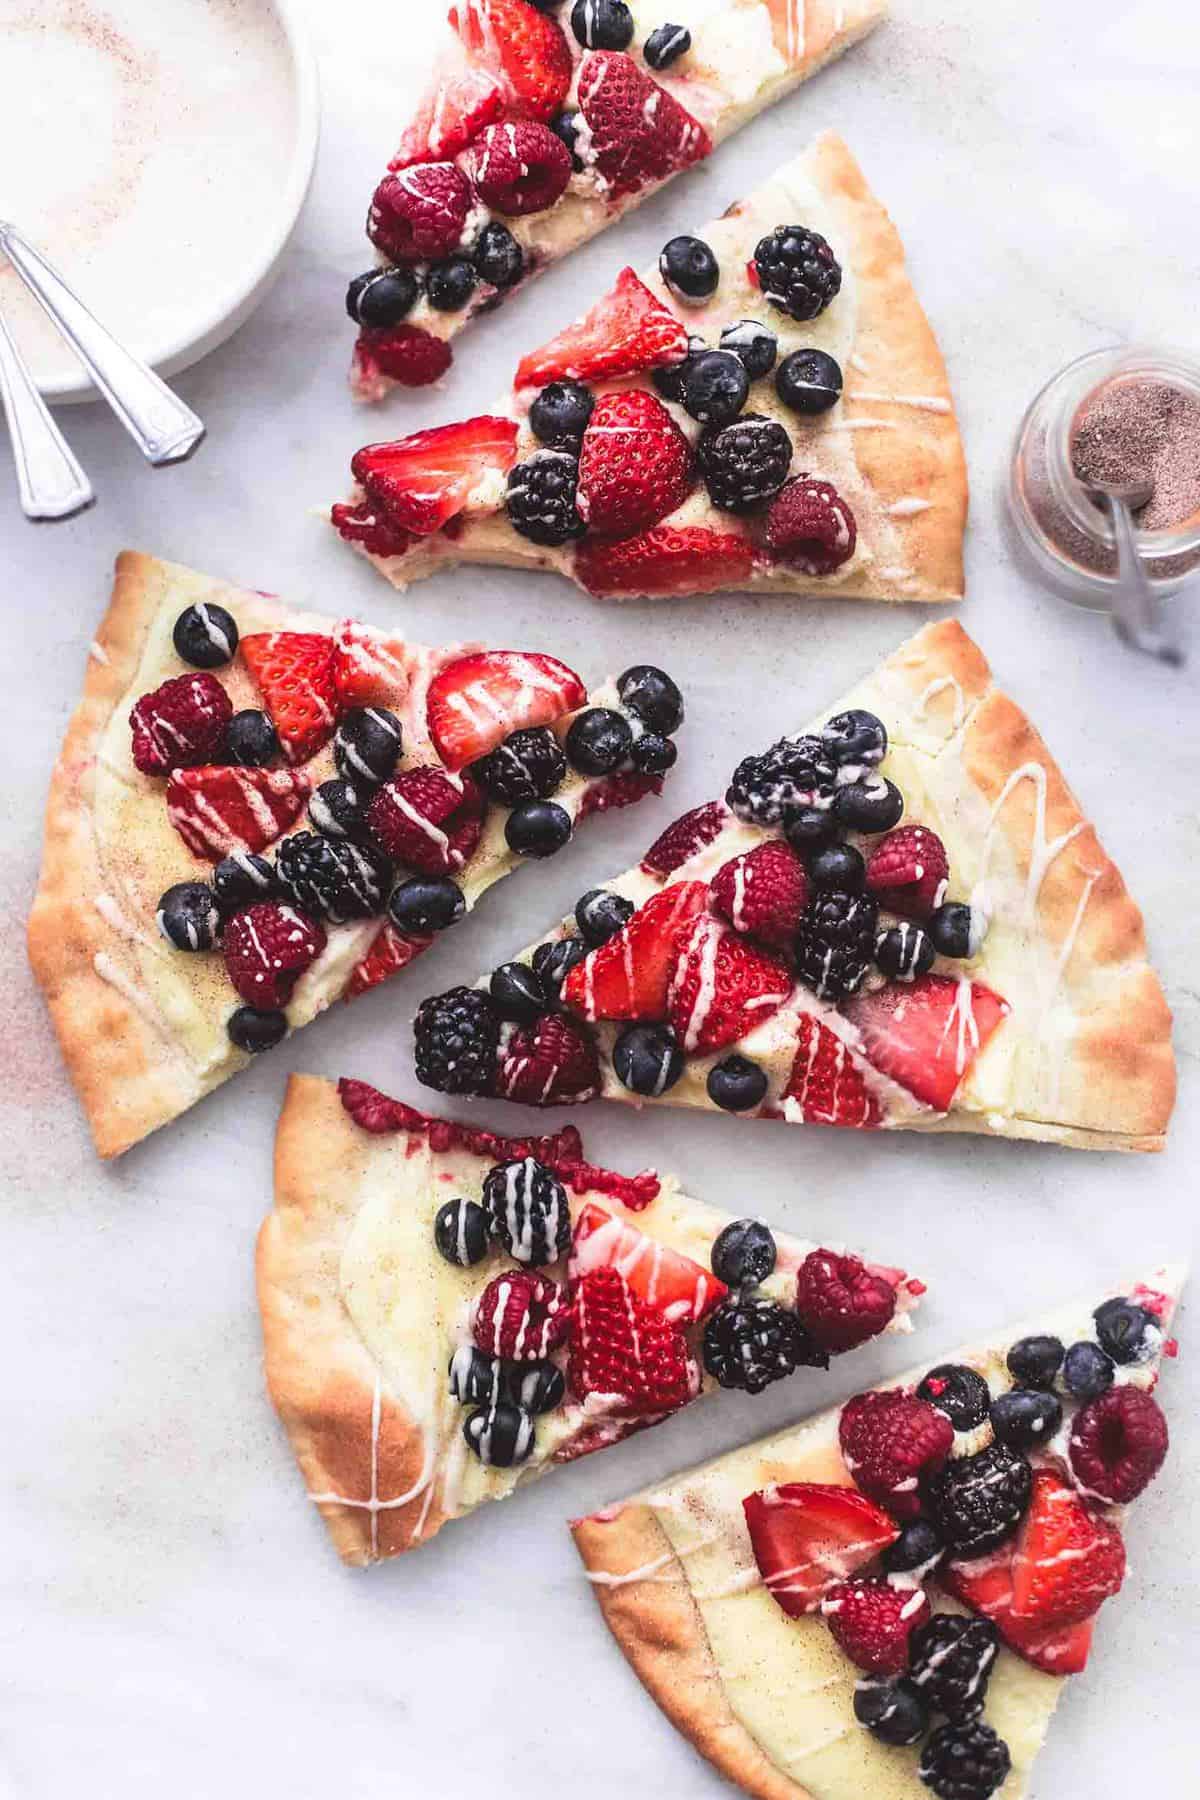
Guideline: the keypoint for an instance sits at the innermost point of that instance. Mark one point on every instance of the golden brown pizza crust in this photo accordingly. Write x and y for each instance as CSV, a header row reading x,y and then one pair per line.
x,y
808,34
350,1437
659,1628
129,1075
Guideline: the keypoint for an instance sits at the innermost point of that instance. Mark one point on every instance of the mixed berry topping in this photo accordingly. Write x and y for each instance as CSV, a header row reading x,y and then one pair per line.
x,y
690,269
744,464
749,1343
964,1761
797,271
205,635
666,45
809,382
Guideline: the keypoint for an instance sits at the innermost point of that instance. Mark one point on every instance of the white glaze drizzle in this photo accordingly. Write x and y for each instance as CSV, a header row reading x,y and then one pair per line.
x,y
99,652
113,916
907,507
1042,851
941,684
923,402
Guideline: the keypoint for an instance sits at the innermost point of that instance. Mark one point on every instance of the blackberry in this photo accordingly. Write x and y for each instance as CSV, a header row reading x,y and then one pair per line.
x,y
916,1551
600,914
540,498
559,416
462,1232
836,942
959,1392
748,1344
965,1762
978,1501
1025,1417
671,381
529,1211
795,774
1127,1332
331,878
456,1038
1035,1361
205,635
745,463
797,271
188,916
498,258
552,963
951,1660
892,1711
528,765
744,1253
754,344
647,1059
690,269
450,284
517,993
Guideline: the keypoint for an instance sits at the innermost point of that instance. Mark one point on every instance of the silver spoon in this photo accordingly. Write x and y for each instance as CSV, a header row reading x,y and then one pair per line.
x,y
1135,611
163,428
50,481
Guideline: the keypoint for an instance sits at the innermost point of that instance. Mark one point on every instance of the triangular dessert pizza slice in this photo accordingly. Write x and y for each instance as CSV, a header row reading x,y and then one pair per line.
x,y
888,1598
900,918
258,811
448,1313
786,428
541,125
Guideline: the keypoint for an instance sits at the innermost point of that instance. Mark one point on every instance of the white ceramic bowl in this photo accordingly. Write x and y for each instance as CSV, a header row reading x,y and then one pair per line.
x,y
160,156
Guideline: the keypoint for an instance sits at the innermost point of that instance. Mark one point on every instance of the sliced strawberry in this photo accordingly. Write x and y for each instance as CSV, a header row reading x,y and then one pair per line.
x,y
549,1063
369,668
626,1353
927,1033
667,559
459,104
217,810
390,952
684,837
479,700
1067,1560
807,1536
682,1290
525,50
293,671
635,466
827,1080
640,134
629,977
628,330
763,892
986,1587
425,480
722,986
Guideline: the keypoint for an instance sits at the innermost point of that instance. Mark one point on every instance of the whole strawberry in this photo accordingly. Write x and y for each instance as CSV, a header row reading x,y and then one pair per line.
x,y
521,1316
908,871
267,949
420,212
840,1302
180,724
427,819
550,1063
872,1622
889,1440
635,466
763,893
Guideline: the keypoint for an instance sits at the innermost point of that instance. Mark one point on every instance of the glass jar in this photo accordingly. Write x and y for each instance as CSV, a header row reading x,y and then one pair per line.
x,y
1067,538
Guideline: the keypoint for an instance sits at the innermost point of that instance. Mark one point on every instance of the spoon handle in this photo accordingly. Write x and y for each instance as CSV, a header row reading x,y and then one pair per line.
x,y
164,429
50,481
1134,605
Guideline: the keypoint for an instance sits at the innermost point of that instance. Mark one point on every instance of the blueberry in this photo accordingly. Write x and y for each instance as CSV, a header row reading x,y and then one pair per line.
x,y
653,754
1086,1371
736,1084
382,297
501,1435
561,412
1025,1417
473,1374
743,1254
1127,1332
754,346
918,1547
566,127
335,809
367,745
1035,1361
809,381
205,635
250,739
958,1392
188,916
838,866
647,1059
538,1387
598,741
690,269
253,1028
904,951
517,992
552,963
537,828
807,826
652,696
426,903
242,879
462,1232
855,737
498,258
893,1711
670,380
957,929
602,24
870,805
450,284
666,45
715,387
600,914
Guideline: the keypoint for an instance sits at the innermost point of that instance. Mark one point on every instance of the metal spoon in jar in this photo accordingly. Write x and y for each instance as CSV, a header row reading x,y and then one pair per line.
x,y
1135,610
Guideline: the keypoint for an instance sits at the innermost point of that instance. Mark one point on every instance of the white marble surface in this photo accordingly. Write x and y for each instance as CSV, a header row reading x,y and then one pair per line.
x,y
172,1619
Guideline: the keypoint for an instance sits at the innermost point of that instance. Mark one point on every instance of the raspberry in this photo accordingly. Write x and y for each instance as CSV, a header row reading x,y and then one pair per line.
x,y
625,1352
519,168
1118,1443
267,949
521,1317
908,871
364,524
428,819
684,837
840,1303
611,792
872,1621
550,1063
811,527
420,212
180,724
763,892
888,1441
404,353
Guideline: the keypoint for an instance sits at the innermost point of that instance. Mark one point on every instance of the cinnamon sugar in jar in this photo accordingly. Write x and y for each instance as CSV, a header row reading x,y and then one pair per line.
x,y
1113,415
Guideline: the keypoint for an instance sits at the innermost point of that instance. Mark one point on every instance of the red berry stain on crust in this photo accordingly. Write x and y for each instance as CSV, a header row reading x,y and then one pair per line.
x,y
888,1440
840,1302
519,168
180,724
640,134
635,466
420,213
1118,1444
684,837
810,526
627,330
